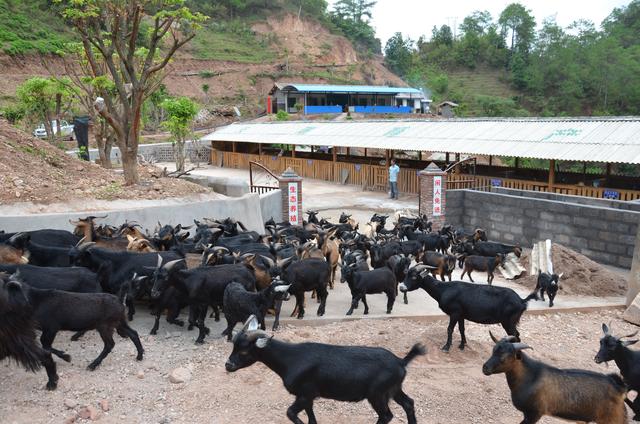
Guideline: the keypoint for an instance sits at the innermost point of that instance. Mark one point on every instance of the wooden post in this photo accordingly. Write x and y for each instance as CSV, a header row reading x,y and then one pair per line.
x,y
387,157
365,152
552,175
234,147
335,160
517,163
293,151
446,158
490,160
608,173
348,151
259,149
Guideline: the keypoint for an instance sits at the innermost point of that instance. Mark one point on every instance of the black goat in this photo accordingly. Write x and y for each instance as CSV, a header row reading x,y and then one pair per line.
x,y
56,310
477,303
549,283
482,263
628,361
399,264
492,248
239,304
46,237
71,279
538,389
18,333
362,283
203,287
307,275
312,370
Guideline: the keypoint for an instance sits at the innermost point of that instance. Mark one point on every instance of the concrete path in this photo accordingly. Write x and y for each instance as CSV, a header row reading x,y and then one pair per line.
x,y
330,199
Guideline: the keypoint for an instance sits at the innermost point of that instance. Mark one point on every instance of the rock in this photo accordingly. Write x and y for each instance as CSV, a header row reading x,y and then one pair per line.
x,y
89,412
70,419
70,403
84,413
180,375
140,374
632,314
104,405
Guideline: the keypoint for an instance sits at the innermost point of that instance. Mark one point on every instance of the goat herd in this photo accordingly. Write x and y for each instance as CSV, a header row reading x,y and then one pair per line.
x,y
92,278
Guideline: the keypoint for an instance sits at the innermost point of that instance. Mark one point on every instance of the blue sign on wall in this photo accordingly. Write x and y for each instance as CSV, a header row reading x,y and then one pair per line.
x,y
611,194
496,182
358,167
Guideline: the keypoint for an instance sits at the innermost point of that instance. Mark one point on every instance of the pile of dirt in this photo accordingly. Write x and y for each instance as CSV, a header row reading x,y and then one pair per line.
x,y
582,276
32,170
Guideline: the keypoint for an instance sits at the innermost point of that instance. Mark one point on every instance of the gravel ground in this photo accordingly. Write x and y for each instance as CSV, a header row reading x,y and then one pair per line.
x,y
447,388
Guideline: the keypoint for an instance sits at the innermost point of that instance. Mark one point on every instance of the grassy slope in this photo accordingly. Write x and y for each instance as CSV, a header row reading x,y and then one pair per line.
x,y
30,26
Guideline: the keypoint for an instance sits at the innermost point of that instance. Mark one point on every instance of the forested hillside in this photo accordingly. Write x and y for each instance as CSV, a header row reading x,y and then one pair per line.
x,y
499,66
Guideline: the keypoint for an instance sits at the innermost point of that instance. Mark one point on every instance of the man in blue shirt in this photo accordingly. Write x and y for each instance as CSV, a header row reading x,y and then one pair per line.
x,y
394,170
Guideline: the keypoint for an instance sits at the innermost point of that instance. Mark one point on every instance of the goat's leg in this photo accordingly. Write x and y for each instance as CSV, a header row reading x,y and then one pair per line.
x,y
364,302
216,313
50,366
542,294
511,329
469,275
635,407
442,275
76,336
300,305
131,308
489,277
192,318
381,406
125,331
276,320
46,340
309,410
406,299
406,402
551,298
452,324
298,405
354,303
156,322
391,299
106,333
323,293
172,316
463,341
464,271
200,317
229,330
531,418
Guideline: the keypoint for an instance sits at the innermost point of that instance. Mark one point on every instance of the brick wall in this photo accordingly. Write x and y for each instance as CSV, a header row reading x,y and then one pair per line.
x,y
602,233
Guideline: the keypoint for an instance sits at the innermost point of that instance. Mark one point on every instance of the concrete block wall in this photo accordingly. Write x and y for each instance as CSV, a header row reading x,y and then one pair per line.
x,y
601,233
160,152
582,200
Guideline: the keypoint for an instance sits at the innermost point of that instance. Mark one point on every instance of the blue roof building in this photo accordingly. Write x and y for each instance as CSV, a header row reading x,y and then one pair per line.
x,y
321,98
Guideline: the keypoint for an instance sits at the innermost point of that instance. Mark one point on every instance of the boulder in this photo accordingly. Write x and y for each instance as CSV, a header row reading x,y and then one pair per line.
x,y
180,375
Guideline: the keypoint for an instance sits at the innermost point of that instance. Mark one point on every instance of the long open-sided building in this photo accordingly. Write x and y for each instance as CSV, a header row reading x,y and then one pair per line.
x,y
596,157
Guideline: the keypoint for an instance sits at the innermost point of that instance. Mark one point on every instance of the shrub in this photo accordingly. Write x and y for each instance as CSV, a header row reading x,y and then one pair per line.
x,y
282,115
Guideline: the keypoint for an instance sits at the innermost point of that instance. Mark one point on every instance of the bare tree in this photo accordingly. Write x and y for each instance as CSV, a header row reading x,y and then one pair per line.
x,y
128,59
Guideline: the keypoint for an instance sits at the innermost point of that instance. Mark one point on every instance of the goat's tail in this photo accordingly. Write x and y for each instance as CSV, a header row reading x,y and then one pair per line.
x,y
532,296
418,349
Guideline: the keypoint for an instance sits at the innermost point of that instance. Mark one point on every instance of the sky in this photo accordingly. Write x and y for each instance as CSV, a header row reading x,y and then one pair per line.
x,y
417,17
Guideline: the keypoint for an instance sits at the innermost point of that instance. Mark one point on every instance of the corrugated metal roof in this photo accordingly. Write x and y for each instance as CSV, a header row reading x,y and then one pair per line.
x,y
368,89
578,139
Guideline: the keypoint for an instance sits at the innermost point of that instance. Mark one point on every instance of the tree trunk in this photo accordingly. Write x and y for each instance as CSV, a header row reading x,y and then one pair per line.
x,y
107,152
179,149
130,166
58,107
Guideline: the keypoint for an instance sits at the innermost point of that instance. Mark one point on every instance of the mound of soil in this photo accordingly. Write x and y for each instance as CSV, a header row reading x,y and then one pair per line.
x,y
32,170
582,276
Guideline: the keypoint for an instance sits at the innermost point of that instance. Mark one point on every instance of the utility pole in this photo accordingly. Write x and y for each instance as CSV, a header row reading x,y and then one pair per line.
x,y
454,28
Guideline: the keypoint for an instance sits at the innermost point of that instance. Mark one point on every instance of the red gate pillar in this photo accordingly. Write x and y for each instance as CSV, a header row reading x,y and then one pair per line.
x,y
291,189
433,199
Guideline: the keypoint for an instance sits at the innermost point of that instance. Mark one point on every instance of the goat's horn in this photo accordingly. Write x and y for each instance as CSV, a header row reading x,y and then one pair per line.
x,y
171,264
159,264
521,346
630,335
495,340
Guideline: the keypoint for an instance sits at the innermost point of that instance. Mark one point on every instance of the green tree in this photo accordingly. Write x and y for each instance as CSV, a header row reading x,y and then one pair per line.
x,y
42,100
518,23
442,36
477,23
352,17
397,54
180,113
111,34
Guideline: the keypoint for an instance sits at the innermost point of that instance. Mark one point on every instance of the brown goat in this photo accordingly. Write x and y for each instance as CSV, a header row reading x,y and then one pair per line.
x,y
444,264
139,245
482,263
331,251
11,255
85,228
538,389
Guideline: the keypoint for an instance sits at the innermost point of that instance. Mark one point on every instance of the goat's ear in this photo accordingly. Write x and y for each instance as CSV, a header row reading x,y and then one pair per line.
x,y
262,342
605,329
560,276
629,342
251,324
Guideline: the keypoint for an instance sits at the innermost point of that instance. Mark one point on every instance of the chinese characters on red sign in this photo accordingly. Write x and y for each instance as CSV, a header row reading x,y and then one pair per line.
x,y
437,196
293,203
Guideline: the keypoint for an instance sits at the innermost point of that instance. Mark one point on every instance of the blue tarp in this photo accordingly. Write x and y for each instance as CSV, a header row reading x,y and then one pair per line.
x,y
364,89
383,109
322,109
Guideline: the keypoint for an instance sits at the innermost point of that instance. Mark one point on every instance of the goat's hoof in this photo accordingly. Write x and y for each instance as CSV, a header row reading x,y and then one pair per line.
x,y
92,367
389,311
199,342
461,347
139,357
190,327
52,385
178,322
406,302
349,312
66,357
216,319
300,316
207,330
75,337
446,348
153,332
366,312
